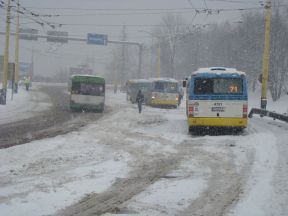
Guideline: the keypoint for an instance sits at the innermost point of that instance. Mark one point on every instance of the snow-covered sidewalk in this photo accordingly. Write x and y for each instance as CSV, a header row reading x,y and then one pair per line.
x,y
25,104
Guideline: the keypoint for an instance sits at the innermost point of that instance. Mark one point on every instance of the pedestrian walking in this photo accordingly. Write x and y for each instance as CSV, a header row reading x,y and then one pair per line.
x,y
139,100
27,83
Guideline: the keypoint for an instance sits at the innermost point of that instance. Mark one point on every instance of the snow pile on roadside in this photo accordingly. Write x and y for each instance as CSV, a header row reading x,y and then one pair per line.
x,y
24,105
259,187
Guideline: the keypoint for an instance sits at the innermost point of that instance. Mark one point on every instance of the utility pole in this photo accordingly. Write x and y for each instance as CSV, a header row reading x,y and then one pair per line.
x,y
266,56
151,74
6,57
140,60
31,74
123,55
16,73
158,58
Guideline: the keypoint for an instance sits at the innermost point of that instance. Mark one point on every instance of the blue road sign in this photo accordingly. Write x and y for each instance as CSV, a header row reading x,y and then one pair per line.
x,y
99,39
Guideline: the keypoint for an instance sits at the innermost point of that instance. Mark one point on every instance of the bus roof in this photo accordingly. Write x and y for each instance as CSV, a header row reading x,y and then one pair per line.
x,y
164,80
218,70
86,76
138,81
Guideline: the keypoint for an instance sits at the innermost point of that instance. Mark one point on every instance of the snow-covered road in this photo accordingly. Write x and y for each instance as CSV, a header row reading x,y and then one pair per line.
x,y
147,164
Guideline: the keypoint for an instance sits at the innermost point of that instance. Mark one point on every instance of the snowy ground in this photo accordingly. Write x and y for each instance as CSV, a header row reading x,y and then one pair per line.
x,y
43,177
23,105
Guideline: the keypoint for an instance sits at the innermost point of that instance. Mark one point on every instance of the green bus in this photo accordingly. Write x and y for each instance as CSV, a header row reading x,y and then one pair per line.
x,y
87,93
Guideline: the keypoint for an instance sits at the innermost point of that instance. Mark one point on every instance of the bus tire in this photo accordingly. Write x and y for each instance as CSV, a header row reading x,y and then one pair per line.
x,y
194,130
191,130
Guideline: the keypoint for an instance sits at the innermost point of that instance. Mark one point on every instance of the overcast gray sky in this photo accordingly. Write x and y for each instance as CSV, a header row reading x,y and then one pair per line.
x,y
79,17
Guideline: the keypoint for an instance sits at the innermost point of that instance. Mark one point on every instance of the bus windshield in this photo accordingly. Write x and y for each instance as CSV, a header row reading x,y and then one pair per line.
x,y
205,86
88,89
166,87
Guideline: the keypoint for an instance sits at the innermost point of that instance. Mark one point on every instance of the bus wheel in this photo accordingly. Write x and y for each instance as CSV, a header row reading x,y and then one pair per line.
x,y
237,131
191,130
195,130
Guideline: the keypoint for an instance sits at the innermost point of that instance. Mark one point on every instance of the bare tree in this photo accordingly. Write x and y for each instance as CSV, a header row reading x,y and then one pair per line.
x,y
172,27
278,56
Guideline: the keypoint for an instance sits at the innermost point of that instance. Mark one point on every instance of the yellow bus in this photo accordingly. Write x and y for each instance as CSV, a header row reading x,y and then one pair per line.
x,y
217,97
164,92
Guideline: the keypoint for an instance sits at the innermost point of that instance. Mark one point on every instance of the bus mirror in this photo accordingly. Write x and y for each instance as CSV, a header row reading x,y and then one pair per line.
x,y
184,83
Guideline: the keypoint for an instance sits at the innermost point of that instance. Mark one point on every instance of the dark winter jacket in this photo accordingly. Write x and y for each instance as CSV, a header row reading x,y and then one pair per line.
x,y
139,97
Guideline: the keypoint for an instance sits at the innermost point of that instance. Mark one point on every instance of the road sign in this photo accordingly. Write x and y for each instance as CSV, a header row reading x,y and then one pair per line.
x,y
57,36
99,39
28,34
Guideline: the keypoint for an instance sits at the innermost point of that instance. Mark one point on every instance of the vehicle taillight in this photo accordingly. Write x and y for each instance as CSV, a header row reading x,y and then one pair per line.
x,y
177,98
190,110
245,109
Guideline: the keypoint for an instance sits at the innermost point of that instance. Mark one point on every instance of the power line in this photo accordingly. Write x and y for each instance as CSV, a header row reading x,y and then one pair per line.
x,y
235,1
127,9
194,17
205,4
127,14
36,17
144,12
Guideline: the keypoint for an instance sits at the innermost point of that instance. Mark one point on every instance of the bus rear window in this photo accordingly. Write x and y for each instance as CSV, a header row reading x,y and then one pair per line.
x,y
166,87
144,87
88,89
218,86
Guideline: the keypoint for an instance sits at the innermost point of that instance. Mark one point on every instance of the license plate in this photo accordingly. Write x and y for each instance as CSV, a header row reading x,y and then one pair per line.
x,y
218,109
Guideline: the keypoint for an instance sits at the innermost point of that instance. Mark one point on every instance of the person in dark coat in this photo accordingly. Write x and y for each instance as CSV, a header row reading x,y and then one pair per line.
x,y
139,100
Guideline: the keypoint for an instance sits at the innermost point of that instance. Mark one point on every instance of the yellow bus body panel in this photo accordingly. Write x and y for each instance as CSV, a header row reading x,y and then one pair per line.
x,y
218,122
164,102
